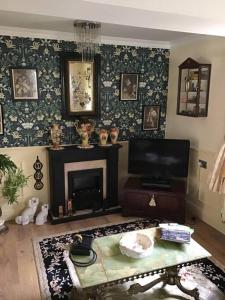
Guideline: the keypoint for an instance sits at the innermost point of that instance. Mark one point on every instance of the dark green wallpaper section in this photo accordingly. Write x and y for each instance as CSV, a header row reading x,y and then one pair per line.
x,y
27,123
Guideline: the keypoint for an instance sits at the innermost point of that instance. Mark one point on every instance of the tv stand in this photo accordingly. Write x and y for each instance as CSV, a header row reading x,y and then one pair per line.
x,y
155,182
154,202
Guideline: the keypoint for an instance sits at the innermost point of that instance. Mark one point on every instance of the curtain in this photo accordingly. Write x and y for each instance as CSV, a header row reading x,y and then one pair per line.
x,y
217,181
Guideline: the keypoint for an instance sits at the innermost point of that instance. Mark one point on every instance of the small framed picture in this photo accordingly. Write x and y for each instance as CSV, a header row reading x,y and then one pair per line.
x,y
1,121
151,117
24,84
129,86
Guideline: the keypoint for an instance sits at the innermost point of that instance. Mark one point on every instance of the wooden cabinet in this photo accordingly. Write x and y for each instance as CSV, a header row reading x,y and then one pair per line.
x,y
193,88
156,203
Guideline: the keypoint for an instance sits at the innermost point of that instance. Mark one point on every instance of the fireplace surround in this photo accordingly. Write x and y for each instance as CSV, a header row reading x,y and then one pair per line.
x,y
73,159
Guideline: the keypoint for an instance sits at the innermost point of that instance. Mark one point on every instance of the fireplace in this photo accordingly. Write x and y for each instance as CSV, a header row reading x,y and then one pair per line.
x,y
85,189
87,177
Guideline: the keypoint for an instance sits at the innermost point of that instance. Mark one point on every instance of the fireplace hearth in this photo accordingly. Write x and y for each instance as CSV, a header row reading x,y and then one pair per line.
x,y
87,177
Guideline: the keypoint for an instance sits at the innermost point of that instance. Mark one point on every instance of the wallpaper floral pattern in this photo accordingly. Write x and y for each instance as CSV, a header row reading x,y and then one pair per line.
x,y
27,123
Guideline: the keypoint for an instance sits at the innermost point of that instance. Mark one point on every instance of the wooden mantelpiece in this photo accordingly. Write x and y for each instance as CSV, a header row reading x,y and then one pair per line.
x,y
57,160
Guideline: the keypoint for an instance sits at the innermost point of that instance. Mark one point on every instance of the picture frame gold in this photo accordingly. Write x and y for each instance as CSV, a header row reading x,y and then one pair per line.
x,y
80,84
24,84
151,117
129,83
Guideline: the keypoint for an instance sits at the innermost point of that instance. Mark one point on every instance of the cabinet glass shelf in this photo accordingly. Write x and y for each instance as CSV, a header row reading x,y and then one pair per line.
x,y
193,88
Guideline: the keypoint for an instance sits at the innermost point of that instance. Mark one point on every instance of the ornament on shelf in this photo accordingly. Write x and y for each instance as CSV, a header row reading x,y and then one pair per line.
x,y
84,128
103,136
114,132
27,215
42,215
56,134
60,211
69,207
38,175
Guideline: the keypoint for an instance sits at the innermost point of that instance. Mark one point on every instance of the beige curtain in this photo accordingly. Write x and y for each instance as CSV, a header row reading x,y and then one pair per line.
x,y
217,180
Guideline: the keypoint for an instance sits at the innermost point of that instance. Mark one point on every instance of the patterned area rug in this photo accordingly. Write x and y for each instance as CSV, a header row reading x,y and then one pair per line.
x,y
55,281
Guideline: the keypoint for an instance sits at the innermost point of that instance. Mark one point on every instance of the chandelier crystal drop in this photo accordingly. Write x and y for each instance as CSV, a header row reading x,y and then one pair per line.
x,y
87,37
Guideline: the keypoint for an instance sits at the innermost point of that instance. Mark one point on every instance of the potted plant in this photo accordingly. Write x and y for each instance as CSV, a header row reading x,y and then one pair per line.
x,y
14,181
6,164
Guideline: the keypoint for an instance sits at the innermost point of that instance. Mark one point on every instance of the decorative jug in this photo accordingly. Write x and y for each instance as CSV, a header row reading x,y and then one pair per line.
x,y
103,136
114,132
56,134
84,128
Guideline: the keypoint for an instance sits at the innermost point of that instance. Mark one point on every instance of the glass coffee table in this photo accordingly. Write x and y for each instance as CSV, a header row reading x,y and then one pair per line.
x,y
111,267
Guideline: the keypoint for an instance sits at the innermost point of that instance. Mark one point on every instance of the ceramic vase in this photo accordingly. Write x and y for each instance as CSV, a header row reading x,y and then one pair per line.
x,y
84,129
103,136
56,133
114,132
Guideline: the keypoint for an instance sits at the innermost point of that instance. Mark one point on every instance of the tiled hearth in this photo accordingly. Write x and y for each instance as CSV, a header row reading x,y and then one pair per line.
x,y
72,159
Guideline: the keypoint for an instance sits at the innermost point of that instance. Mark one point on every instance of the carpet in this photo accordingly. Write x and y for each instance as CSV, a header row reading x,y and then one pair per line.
x,y
55,281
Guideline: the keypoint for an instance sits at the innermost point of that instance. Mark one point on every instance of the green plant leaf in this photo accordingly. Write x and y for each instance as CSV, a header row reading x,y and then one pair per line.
x,y
6,164
13,183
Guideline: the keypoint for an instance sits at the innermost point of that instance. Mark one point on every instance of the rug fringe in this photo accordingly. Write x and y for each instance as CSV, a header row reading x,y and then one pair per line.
x,y
42,278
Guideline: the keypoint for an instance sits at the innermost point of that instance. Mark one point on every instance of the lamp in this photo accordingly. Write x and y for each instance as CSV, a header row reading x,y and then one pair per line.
x,y
87,37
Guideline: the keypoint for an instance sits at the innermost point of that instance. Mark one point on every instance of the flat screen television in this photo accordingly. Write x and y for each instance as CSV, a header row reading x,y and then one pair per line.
x,y
159,158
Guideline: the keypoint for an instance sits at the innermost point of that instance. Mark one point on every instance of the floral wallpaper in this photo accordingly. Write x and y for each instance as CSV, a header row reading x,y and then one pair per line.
x,y
27,123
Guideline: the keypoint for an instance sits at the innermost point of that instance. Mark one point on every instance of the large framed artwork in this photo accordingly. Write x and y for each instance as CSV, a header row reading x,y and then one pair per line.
x,y
151,117
129,86
1,121
24,84
80,84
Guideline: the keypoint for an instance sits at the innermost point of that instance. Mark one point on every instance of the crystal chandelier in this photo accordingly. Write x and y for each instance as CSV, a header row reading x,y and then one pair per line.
x,y
87,37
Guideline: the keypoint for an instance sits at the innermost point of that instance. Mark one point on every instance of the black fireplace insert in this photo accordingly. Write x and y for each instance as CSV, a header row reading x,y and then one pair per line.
x,y
86,189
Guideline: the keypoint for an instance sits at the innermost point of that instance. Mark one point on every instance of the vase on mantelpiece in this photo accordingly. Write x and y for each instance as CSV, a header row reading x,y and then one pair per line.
x,y
103,136
114,132
84,128
56,134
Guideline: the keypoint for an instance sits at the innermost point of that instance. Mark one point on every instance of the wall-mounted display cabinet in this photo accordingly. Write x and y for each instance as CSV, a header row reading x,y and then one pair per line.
x,y
193,88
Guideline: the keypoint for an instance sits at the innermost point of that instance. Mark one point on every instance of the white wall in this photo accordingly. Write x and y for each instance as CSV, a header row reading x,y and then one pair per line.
x,y
206,134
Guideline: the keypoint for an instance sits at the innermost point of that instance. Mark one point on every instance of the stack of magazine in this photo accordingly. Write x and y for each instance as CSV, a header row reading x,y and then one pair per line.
x,y
175,232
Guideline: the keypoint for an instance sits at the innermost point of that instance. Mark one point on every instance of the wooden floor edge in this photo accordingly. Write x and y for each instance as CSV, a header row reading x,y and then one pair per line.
x,y
217,263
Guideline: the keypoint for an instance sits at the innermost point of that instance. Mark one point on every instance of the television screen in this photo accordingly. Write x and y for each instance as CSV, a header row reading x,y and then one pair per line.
x,y
161,158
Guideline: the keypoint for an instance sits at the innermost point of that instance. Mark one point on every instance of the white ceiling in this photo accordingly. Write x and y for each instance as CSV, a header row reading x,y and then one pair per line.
x,y
143,21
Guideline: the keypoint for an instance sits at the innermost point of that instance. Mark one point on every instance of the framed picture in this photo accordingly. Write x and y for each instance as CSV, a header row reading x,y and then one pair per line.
x,y
80,84
151,117
24,84
1,120
129,86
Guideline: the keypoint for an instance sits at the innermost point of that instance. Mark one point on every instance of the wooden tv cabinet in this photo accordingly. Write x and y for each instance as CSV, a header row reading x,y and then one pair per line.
x,y
154,202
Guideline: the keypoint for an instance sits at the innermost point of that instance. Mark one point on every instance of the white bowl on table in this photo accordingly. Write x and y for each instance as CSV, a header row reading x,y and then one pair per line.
x,y
136,245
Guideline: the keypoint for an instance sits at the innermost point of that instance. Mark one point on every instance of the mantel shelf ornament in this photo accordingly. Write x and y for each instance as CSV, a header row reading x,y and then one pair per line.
x,y
84,128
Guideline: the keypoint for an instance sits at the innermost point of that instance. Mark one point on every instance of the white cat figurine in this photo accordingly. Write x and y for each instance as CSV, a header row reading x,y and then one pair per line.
x,y
42,216
27,215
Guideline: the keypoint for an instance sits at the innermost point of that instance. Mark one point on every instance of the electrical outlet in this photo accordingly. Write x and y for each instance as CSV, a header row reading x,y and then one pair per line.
x,y
202,163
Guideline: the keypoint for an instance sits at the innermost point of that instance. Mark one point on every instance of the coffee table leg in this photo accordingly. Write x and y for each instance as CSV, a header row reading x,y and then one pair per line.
x,y
82,295
170,277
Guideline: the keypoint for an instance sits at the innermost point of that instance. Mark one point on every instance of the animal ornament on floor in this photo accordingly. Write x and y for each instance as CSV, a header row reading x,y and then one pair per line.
x,y
27,215
42,215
